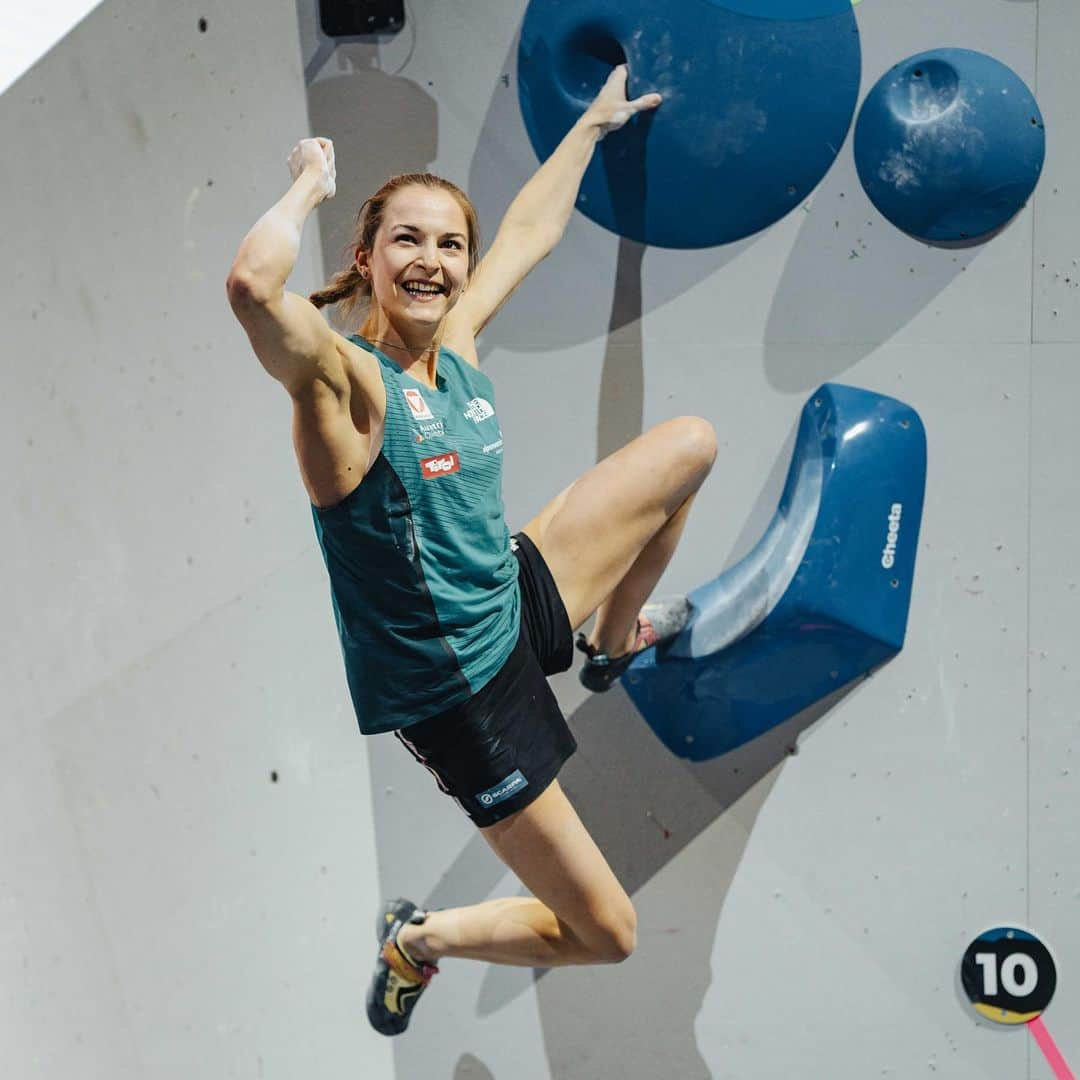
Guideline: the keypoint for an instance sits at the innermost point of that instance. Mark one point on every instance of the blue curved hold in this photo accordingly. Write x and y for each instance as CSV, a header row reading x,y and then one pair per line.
x,y
821,599
786,9
949,145
755,108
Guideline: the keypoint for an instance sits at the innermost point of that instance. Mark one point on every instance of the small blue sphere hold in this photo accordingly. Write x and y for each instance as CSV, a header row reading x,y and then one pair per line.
x,y
949,145
758,97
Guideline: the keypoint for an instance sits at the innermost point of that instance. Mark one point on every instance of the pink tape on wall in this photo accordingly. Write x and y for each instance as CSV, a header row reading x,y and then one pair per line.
x,y
1049,1048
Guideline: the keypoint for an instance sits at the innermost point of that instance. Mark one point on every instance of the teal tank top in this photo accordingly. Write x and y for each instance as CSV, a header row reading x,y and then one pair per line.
x,y
422,578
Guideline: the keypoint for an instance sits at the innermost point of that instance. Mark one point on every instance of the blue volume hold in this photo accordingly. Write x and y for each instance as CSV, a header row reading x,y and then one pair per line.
x,y
786,9
755,110
949,145
822,598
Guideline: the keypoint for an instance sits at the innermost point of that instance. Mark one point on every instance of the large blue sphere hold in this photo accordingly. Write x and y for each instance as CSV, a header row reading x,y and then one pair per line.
x,y
758,99
949,145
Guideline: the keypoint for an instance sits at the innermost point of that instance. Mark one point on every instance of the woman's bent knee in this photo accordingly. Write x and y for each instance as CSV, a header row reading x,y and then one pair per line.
x,y
614,940
697,442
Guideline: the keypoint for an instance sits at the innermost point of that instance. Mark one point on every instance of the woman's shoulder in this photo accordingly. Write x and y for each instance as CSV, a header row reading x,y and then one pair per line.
x,y
469,376
460,343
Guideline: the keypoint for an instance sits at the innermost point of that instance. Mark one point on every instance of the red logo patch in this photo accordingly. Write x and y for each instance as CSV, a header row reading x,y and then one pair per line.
x,y
443,465
417,405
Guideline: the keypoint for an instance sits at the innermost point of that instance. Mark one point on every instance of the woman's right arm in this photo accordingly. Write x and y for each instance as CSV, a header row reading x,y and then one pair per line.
x,y
289,335
332,424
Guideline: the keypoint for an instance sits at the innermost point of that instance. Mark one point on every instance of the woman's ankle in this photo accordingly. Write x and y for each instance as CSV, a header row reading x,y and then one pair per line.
x,y
621,648
413,940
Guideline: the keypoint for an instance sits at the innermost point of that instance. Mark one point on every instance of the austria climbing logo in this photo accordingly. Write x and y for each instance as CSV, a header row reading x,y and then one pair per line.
x,y
478,409
434,430
888,556
433,467
417,405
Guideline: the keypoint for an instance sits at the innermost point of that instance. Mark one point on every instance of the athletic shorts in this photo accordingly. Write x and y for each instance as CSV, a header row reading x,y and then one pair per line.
x,y
499,750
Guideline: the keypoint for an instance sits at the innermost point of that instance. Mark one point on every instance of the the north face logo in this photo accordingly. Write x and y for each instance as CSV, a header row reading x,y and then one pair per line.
x,y
433,467
478,409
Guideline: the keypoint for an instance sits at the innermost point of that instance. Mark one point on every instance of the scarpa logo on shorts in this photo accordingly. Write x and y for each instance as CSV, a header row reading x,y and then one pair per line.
x,y
478,409
514,783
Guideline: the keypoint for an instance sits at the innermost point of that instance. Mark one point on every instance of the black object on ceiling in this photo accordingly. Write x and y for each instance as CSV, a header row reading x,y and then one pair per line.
x,y
357,18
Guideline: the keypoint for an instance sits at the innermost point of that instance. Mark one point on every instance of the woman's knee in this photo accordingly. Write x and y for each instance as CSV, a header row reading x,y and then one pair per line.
x,y
693,439
699,437
612,939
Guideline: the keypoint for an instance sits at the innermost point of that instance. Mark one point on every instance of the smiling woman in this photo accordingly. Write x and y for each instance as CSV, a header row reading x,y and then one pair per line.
x,y
449,625
434,221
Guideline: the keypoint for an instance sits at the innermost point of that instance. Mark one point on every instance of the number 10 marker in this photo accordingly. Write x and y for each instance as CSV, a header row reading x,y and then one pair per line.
x,y
1010,977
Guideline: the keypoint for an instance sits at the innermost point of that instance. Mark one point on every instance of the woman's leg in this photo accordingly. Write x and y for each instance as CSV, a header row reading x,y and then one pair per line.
x,y
609,536
580,914
615,627
606,540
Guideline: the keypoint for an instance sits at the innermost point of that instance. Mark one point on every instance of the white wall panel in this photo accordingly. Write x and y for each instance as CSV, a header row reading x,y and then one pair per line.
x,y
29,33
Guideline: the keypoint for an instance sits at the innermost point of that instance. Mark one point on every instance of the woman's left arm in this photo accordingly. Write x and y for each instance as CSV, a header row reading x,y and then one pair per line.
x,y
537,218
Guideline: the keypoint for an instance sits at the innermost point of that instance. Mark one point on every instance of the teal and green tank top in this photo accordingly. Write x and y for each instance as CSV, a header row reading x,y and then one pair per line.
x,y
422,578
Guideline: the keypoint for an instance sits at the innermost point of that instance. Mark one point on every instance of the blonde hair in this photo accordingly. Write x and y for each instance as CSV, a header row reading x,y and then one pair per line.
x,y
348,287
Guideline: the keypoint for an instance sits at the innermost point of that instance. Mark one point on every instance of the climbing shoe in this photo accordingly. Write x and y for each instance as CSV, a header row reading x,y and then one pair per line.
x,y
398,981
659,621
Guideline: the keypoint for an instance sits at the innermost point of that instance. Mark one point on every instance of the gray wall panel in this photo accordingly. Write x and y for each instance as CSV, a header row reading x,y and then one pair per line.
x,y
1056,299
169,640
63,1009
900,828
229,897
1054,767
136,183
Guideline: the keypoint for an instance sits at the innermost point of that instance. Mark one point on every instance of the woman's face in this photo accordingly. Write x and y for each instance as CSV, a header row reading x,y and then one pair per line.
x,y
420,261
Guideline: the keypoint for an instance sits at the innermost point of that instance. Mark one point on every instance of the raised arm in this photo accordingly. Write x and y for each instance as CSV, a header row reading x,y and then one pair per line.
x,y
331,425
537,218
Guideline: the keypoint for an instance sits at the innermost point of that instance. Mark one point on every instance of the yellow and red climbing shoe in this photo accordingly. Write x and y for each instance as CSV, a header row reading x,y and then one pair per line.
x,y
398,981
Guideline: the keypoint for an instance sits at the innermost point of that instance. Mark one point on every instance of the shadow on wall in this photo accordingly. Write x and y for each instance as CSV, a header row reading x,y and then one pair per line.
x,y
621,406
358,109
470,1067
851,281
880,278
643,806
560,307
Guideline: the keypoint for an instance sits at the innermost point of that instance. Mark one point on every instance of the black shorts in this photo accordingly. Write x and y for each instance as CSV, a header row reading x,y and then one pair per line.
x,y
500,749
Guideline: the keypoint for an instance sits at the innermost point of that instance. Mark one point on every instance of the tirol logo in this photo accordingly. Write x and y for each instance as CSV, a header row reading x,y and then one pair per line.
x,y
443,465
417,404
503,789
888,556
478,409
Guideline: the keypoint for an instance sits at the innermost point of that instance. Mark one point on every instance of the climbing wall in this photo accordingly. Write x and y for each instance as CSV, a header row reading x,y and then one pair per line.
x,y
196,836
